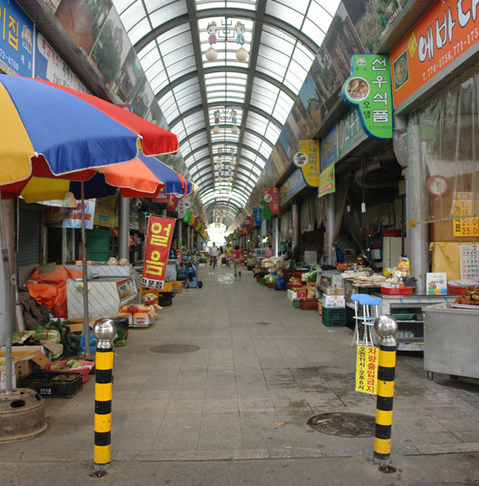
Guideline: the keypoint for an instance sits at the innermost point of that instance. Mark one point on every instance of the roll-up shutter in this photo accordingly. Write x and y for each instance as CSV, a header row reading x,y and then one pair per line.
x,y
29,238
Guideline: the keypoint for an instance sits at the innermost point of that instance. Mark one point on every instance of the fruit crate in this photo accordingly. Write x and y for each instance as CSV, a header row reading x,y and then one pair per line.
x,y
334,316
55,385
84,370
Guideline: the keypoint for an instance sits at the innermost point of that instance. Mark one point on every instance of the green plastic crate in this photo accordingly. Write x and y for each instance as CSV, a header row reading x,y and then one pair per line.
x,y
334,316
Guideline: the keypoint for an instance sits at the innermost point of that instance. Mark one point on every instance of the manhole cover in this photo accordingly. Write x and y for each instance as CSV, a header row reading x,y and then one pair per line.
x,y
264,323
175,348
343,424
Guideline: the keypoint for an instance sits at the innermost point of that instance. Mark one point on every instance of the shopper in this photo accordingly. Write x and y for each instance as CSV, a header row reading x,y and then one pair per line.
x,y
237,260
269,251
213,255
229,255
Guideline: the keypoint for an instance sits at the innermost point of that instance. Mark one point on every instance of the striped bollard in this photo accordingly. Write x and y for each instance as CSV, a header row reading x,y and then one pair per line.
x,y
385,327
105,332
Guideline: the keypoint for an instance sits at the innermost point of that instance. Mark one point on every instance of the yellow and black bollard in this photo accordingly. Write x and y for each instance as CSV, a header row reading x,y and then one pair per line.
x,y
105,332
385,327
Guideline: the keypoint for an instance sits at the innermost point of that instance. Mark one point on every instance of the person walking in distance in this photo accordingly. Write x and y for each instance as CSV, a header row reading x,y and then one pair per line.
x,y
213,255
229,255
237,260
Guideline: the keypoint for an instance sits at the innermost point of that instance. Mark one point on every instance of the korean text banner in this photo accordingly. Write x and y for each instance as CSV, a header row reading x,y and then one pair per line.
x,y
369,89
440,37
157,248
272,198
307,159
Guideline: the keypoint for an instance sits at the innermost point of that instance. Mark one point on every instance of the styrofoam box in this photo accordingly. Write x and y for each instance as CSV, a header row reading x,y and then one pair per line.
x,y
334,301
292,295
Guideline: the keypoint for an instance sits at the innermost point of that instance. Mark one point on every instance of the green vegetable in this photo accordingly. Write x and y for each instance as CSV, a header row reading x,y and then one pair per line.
x,y
56,366
76,364
42,334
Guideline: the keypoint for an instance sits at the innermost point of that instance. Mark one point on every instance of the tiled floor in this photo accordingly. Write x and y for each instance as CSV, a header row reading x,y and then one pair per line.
x,y
261,370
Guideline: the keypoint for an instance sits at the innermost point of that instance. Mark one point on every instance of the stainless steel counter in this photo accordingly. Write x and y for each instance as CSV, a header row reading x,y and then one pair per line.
x,y
451,338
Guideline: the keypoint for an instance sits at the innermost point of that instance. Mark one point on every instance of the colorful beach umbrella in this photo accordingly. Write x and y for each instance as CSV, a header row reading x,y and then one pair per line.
x,y
69,130
48,130
141,177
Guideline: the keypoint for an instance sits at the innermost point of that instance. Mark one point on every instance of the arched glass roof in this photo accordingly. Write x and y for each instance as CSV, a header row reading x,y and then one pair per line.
x,y
227,109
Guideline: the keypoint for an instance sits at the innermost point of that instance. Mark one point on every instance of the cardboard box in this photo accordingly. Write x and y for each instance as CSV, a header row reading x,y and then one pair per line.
x,y
330,301
292,294
25,360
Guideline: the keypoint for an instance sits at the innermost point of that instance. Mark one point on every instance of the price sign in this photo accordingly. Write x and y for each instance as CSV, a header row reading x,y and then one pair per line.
x,y
466,227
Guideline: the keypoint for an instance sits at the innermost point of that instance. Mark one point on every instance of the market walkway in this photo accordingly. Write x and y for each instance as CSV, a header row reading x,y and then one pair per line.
x,y
250,371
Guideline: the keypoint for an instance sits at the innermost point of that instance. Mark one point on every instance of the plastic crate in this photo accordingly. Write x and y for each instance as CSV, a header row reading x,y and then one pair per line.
x,y
308,304
296,303
334,316
55,385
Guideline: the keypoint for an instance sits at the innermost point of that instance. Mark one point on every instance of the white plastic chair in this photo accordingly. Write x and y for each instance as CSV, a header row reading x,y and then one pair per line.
x,y
366,311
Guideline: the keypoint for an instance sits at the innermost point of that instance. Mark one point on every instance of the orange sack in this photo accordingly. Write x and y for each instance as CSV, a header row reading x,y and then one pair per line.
x,y
50,289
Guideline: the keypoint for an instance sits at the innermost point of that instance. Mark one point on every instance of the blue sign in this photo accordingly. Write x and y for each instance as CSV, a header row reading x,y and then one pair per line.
x,y
329,148
292,186
16,40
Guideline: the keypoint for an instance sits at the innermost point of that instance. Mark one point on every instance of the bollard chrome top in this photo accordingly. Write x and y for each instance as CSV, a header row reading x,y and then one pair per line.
x,y
105,331
386,328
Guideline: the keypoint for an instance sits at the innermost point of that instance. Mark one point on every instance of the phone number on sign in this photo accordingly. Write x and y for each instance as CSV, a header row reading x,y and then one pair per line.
x,y
466,227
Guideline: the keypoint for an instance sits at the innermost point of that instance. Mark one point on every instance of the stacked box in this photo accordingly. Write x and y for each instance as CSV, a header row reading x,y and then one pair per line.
x,y
331,301
334,316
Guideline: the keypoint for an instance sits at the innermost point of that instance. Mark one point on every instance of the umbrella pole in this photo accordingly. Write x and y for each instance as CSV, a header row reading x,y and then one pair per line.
x,y
86,326
7,284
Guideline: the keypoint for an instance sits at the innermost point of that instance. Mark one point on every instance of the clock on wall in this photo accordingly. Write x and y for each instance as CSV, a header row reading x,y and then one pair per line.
x,y
437,185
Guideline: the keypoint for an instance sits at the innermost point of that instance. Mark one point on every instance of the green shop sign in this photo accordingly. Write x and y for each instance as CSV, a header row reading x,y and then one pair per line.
x,y
369,89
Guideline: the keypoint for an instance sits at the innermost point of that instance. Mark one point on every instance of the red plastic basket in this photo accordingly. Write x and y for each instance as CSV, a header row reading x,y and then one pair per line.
x,y
84,370
396,290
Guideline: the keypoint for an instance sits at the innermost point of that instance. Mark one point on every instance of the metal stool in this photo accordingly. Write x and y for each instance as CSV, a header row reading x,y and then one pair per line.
x,y
366,311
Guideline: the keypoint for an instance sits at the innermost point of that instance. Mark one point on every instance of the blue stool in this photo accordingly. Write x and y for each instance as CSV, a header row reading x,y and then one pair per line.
x,y
366,310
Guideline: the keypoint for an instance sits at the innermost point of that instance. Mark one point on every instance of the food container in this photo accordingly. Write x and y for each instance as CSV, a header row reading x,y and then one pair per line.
x,y
393,290
84,370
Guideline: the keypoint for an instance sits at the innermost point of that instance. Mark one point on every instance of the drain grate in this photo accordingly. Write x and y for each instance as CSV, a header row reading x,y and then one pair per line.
x,y
174,348
343,424
264,323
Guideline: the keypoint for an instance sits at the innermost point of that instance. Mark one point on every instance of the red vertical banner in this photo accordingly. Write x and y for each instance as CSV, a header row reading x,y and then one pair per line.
x,y
157,249
272,198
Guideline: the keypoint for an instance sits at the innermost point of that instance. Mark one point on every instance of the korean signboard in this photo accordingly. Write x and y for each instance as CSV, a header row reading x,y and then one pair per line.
x,y
272,198
369,89
157,249
350,131
367,359
441,36
307,159
16,40
329,148
327,183
292,186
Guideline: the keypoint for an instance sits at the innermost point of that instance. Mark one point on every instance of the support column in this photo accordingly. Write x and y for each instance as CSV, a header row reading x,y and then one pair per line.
x,y
124,228
64,246
417,232
180,233
188,239
275,236
330,257
295,219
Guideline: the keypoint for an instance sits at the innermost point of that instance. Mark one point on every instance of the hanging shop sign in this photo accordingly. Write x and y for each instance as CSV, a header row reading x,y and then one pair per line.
x,y
272,198
327,182
329,148
369,89
367,360
446,32
157,249
292,186
70,217
257,216
350,131
105,213
183,205
307,160
16,40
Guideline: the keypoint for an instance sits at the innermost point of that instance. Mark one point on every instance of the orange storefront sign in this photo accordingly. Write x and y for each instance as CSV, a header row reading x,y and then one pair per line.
x,y
439,38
